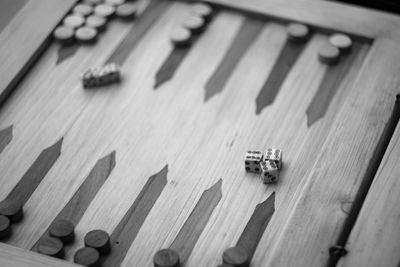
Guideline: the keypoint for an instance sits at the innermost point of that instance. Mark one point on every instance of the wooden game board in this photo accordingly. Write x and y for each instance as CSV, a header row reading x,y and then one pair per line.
x,y
157,161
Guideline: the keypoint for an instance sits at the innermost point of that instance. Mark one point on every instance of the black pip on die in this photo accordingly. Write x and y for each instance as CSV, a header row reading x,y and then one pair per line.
x,y
274,155
269,171
252,161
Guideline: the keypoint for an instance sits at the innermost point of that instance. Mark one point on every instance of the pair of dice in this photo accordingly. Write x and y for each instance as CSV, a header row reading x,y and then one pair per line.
x,y
99,76
268,165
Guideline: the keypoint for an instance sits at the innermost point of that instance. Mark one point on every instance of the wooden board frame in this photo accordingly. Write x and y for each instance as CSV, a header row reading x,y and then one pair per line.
x,y
379,27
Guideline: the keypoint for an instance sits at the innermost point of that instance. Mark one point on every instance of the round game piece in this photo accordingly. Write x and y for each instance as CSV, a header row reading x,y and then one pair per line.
x,y
181,36
298,32
194,23
341,41
236,256
115,2
74,21
166,258
86,34
98,239
5,227
64,35
93,2
203,10
104,10
328,54
83,9
51,246
87,257
11,209
64,230
127,11
96,22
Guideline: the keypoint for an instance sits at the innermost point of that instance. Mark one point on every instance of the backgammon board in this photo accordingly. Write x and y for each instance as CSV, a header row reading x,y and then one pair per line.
x,y
157,160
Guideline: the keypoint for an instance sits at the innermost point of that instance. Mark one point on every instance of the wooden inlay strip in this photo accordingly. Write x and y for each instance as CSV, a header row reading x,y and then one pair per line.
x,y
126,231
287,58
35,174
82,198
197,221
246,35
170,65
65,52
330,84
143,23
8,9
6,136
256,226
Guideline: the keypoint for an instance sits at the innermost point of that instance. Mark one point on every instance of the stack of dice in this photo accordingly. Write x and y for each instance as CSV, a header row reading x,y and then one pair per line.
x,y
99,76
268,165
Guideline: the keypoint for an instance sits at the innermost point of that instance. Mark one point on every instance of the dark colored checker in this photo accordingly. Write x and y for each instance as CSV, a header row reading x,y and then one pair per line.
x,y
143,23
127,229
286,59
82,198
197,221
330,84
246,35
6,136
256,226
35,174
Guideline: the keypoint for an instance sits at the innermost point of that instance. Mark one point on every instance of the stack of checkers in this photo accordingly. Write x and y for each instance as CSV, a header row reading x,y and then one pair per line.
x,y
10,212
268,164
99,76
337,45
97,244
166,258
90,17
61,233
192,25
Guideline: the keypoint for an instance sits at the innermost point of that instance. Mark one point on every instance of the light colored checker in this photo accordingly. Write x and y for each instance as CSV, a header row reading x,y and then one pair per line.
x,y
83,9
115,2
86,34
127,11
328,54
297,32
74,21
194,23
97,22
203,10
341,41
180,36
64,34
104,10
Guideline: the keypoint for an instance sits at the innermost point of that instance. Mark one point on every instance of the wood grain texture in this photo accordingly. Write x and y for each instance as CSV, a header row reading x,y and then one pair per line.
x,y
317,217
255,227
65,52
330,84
374,240
82,198
325,15
5,137
16,257
150,14
198,219
35,174
30,30
249,31
126,231
286,59
8,9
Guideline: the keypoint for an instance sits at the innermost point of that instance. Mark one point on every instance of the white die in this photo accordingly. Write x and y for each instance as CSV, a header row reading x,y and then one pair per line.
x,y
275,155
252,161
269,171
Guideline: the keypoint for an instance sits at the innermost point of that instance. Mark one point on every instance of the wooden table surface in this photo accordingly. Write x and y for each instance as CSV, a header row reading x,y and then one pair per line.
x,y
157,160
